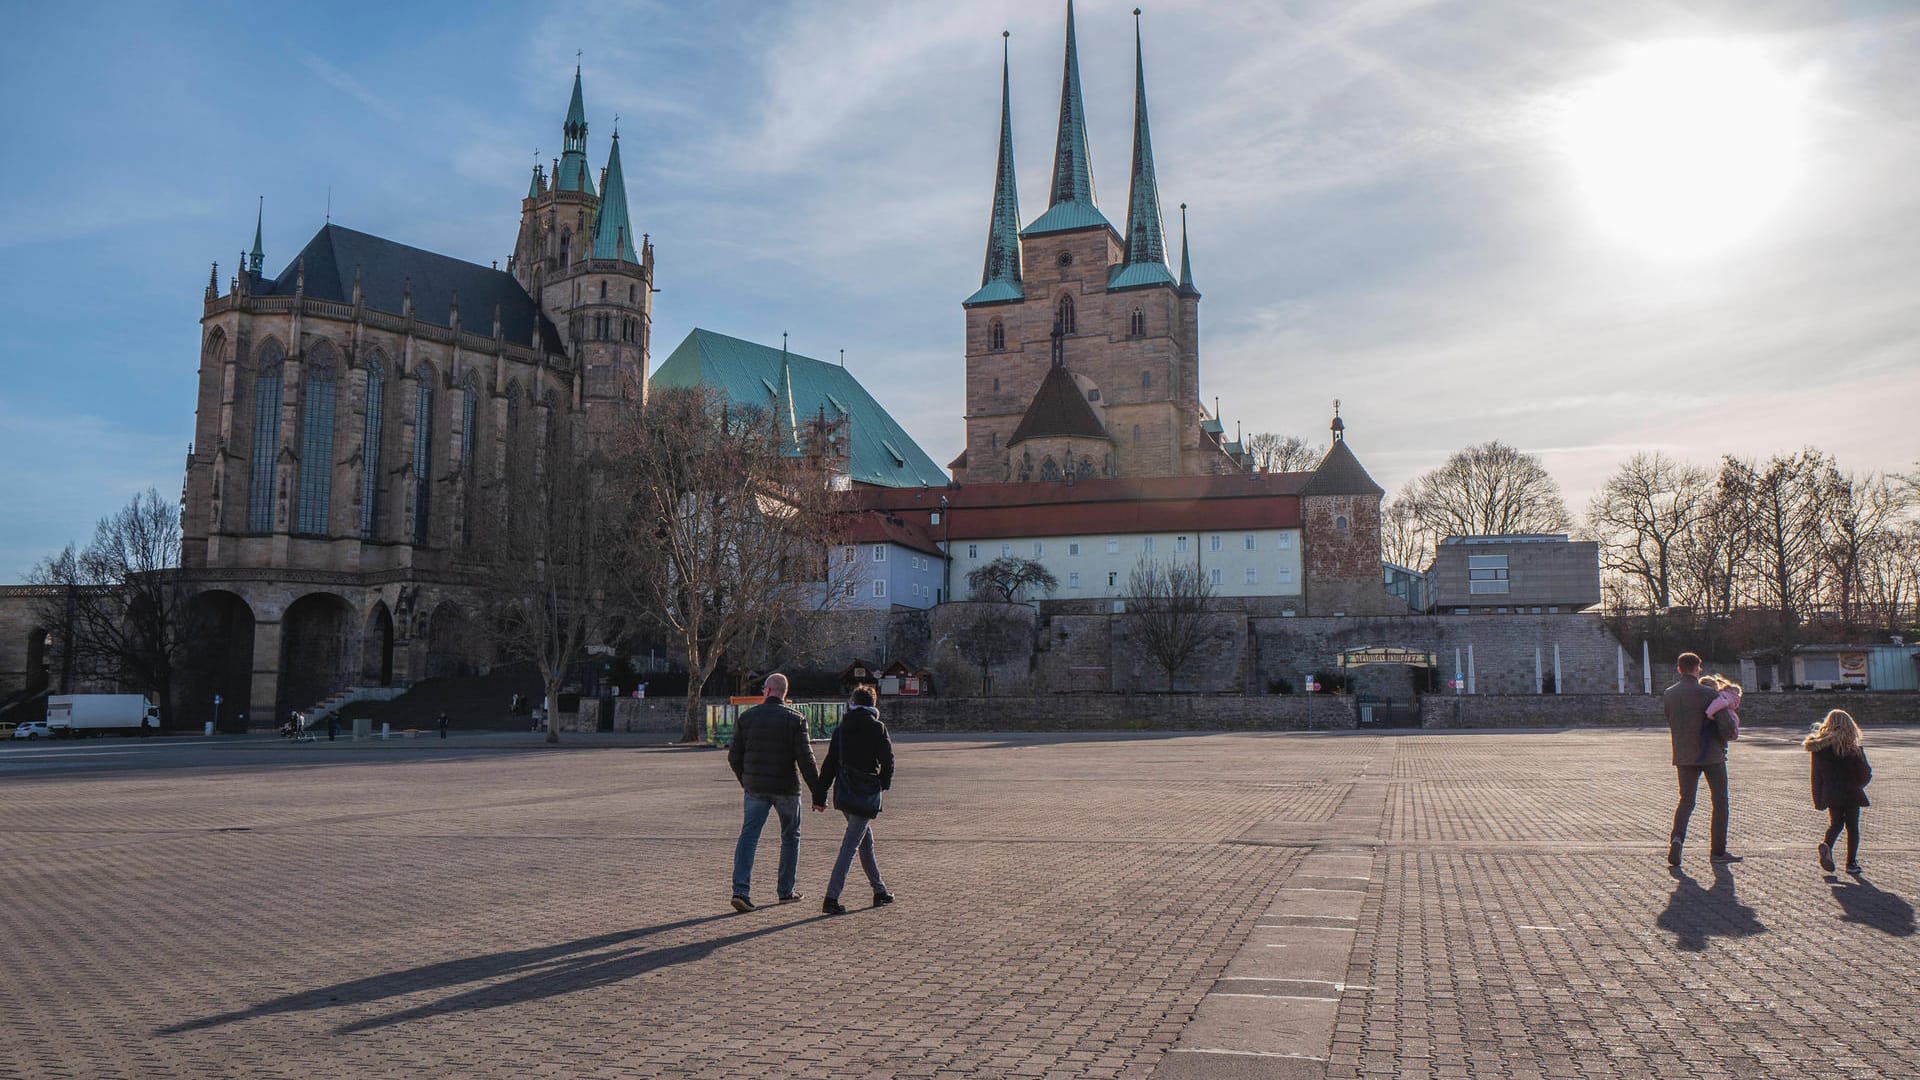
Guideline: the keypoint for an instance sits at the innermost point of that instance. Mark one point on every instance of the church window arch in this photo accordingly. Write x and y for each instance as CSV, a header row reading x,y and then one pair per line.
x,y
603,290
316,439
1049,468
266,436
372,424
566,246
1065,313
993,440
1137,323
422,453
469,449
1146,380
996,335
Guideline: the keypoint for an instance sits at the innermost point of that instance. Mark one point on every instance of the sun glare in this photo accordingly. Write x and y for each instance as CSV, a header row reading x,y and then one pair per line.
x,y
1689,148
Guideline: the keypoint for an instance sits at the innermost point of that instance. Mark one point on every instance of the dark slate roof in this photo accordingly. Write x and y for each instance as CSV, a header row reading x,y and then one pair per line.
x,y
386,268
1340,473
1058,408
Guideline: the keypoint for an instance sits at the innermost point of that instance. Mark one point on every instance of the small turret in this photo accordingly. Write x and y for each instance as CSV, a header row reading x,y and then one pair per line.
x,y
257,257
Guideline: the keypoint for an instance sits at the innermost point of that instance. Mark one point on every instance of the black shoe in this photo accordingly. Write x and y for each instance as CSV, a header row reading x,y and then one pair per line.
x,y
1673,853
1854,869
791,897
830,906
882,899
742,905
1722,857
1826,857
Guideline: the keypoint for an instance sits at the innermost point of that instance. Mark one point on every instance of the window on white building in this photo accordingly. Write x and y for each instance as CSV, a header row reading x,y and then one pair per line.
x,y
1039,549
1249,541
1180,543
973,551
1006,550
1113,547
1286,540
1146,545
1213,542
1286,575
1073,549
879,553
1213,576
850,588
1113,578
880,587
1253,576
849,554
1073,579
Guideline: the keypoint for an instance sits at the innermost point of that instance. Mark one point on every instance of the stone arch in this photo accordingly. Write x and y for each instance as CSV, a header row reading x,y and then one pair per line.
x,y
317,654
453,643
214,351
376,647
220,661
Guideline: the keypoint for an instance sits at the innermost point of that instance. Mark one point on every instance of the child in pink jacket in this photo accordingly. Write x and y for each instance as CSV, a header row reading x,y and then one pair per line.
x,y
1728,700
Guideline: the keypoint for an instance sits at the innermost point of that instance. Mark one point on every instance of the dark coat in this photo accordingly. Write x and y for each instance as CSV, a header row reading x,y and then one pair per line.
x,y
1840,780
860,744
1697,738
769,740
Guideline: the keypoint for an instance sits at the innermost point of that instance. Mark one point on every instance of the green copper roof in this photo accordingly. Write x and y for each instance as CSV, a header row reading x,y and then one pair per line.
x,y
1138,275
1146,240
1186,267
612,233
881,452
1000,277
257,257
1070,203
573,174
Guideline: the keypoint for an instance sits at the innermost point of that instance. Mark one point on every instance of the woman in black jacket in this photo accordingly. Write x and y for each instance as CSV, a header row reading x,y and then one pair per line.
x,y
858,768
1840,778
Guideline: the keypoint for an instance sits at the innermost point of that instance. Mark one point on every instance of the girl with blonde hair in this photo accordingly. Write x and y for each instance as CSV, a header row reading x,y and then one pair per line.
x,y
1840,778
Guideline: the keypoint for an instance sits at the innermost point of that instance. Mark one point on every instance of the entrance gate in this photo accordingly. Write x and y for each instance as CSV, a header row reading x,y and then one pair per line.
x,y
1372,711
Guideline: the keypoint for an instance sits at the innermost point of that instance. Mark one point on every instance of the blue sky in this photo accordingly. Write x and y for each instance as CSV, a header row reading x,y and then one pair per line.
x,y
1391,204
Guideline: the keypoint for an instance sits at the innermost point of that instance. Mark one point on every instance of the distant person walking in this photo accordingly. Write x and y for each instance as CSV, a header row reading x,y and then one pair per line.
x,y
441,720
1699,749
858,768
1840,778
769,742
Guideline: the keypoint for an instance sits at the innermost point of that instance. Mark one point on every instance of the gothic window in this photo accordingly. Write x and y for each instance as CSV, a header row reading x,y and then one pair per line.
x,y
1065,258
422,455
1146,380
603,290
370,445
566,244
993,440
1049,469
997,335
632,294
469,445
316,441
1137,323
1066,313
266,437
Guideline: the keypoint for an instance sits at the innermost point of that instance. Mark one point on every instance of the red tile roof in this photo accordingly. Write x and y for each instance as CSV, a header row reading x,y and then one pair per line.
x,y
885,528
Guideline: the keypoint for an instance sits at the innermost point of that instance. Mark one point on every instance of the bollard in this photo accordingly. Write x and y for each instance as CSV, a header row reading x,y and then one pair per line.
x,y
209,727
386,729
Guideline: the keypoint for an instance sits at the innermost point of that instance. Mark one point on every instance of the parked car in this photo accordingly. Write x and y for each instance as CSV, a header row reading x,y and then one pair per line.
x,y
32,729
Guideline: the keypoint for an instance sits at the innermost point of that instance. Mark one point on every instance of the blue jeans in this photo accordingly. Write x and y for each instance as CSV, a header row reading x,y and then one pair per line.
x,y
754,818
859,838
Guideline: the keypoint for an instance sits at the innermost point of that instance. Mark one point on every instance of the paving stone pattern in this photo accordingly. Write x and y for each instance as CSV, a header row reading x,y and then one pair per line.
x,y
1257,905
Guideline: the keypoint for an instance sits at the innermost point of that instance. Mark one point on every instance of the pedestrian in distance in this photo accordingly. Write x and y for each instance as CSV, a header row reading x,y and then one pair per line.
x,y
441,720
769,744
1699,749
858,768
1840,778
333,726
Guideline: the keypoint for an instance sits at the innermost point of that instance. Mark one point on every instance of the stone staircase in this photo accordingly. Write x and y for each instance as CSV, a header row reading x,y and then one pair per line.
x,y
317,714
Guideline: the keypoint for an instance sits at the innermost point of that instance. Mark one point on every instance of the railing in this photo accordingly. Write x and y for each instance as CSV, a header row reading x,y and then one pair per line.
x,y
823,717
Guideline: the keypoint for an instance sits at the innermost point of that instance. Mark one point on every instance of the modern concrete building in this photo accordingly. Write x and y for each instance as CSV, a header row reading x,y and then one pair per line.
x,y
1517,574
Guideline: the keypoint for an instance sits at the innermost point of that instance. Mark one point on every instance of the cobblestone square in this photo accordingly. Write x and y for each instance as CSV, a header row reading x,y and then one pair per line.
x,y
1100,905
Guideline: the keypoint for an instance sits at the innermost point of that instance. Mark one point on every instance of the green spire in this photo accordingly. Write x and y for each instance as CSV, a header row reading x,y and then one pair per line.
x,y
1070,202
573,174
612,234
1146,241
535,188
1186,267
257,257
1000,278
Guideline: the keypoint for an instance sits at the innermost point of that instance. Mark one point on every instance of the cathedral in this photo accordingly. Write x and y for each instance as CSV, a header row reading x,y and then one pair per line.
x,y
351,408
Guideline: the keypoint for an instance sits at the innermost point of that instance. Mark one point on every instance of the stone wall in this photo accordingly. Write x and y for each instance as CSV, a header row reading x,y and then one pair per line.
x,y
1116,712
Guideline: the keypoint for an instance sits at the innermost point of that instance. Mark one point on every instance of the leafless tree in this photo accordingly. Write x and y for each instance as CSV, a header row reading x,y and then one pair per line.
x,y
1402,541
731,514
1275,452
1890,576
1643,518
1487,490
991,636
1170,608
123,611
545,564
1784,528
1856,514
1006,577
1714,558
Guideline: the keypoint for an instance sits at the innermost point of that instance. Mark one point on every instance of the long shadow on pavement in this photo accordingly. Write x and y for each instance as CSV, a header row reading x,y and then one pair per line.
x,y
537,973
1869,906
1695,914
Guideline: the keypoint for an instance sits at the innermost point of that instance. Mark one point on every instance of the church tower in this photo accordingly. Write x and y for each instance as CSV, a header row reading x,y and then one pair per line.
x,y
576,255
1071,301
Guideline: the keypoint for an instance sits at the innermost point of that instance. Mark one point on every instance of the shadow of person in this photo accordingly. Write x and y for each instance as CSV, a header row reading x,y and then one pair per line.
x,y
1694,915
1860,902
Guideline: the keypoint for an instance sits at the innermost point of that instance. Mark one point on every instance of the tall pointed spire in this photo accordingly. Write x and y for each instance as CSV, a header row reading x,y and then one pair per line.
x,y
1186,265
612,234
786,392
1146,241
257,257
1000,278
572,173
1070,202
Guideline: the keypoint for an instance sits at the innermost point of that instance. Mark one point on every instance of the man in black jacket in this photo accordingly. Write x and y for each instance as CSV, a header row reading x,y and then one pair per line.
x,y
769,740
1699,749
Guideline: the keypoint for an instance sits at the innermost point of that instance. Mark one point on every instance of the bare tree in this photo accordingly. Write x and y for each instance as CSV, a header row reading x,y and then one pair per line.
x,y
731,518
124,612
1890,576
1275,452
1402,541
1784,528
544,560
1715,555
1856,513
992,636
1008,576
1487,490
1170,607
1643,518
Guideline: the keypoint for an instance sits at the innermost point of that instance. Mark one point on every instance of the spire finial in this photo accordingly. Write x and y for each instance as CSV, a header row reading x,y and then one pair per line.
x,y
1072,164
256,258
1146,239
1339,425
1186,261
1000,277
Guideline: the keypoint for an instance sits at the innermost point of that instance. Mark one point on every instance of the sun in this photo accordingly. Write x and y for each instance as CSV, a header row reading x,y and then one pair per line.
x,y
1689,147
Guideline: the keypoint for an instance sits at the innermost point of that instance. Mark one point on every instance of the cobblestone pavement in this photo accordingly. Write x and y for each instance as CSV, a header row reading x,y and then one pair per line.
x,y
1417,905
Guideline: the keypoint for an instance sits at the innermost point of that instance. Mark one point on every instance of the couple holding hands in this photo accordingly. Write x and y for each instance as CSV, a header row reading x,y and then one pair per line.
x,y
769,745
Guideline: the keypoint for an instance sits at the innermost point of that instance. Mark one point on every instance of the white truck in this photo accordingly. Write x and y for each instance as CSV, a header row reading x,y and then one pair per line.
x,y
75,715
